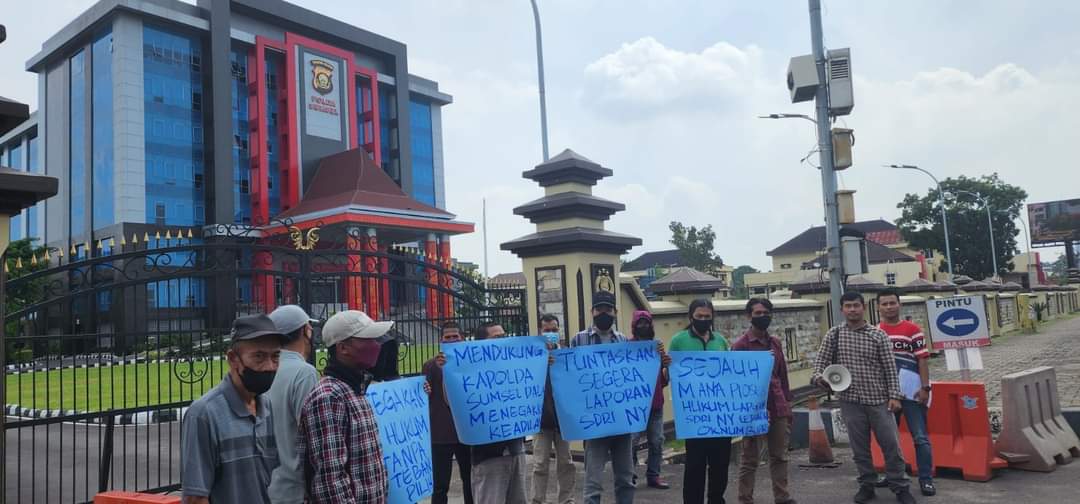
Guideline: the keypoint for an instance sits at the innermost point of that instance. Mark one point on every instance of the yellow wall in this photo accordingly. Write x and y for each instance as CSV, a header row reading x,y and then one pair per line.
x,y
573,262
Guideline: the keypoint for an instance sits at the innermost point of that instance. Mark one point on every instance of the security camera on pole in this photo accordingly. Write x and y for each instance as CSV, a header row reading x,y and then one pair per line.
x,y
827,80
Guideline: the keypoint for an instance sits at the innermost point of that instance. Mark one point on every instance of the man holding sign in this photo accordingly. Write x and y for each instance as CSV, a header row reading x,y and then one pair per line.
x,y
445,444
495,387
757,338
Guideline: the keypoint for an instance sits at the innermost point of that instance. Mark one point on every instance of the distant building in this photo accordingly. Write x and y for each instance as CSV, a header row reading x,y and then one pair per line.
x,y
893,262
652,266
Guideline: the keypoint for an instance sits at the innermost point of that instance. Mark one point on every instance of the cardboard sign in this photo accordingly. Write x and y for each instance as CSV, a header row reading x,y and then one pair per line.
x,y
604,390
401,411
720,394
496,387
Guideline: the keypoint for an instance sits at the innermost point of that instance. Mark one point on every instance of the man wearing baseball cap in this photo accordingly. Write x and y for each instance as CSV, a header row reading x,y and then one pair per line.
x,y
338,437
228,449
295,379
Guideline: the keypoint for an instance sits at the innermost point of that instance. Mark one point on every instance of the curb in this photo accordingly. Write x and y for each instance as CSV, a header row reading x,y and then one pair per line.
x,y
137,418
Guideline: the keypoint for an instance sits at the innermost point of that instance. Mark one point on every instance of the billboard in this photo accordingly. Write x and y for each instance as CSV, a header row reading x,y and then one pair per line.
x,y
1054,221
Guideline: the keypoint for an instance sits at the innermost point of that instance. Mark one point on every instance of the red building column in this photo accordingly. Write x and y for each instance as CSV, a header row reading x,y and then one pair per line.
x,y
354,293
262,284
446,299
431,276
372,299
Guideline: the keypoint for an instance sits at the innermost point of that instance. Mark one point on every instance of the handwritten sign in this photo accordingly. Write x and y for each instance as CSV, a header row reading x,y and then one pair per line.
x,y
720,394
496,387
401,411
604,390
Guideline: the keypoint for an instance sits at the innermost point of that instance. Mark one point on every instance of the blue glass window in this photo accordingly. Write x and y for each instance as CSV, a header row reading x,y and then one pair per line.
x,y
173,103
423,155
240,152
34,166
388,132
102,132
77,176
275,127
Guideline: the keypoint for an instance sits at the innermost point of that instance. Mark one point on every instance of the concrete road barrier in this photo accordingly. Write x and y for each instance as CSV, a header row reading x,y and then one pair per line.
x,y
1032,421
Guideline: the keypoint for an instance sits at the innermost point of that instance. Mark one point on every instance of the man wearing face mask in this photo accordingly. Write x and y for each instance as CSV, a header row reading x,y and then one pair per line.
x,y
338,437
228,449
615,448
445,445
642,326
550,437
295,379
705,457
778,404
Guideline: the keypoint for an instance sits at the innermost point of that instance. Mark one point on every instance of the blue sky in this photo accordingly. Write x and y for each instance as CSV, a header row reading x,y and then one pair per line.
x,y
666,93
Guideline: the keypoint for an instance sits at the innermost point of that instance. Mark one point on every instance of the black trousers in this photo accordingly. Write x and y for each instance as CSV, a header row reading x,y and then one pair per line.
x,y
706,456
442,459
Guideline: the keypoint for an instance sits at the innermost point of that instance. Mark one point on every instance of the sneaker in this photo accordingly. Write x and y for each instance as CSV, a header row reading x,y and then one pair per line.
x,y
633,481
904,497
927,488
866,494
658,483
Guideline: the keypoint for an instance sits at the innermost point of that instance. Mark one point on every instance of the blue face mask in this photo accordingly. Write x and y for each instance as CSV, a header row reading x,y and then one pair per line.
x,y
552,338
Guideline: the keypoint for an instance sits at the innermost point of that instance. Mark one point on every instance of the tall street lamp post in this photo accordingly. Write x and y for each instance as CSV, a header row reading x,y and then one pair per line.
x,y
941,202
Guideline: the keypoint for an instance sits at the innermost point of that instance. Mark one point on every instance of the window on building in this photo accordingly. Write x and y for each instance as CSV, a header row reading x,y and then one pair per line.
x,y
159,214
890,278
102,149
785,266
77,175
423,155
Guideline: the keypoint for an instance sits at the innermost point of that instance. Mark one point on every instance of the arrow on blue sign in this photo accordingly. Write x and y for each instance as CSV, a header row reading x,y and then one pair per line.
x,y
957,322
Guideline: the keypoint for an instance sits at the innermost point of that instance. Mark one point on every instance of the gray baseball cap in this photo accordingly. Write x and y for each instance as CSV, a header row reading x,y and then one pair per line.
x,y
289,318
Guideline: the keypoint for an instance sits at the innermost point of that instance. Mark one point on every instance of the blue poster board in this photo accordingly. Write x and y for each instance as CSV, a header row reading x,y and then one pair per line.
x,y
604,390
401,411
720,394
496,387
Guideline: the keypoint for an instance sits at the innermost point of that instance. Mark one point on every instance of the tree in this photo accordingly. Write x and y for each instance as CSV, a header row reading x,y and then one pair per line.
x,y
21,252
696,246
1057,271
920,223
738,284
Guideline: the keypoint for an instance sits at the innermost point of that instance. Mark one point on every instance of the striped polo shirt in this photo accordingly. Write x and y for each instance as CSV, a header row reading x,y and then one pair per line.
x,y
227,453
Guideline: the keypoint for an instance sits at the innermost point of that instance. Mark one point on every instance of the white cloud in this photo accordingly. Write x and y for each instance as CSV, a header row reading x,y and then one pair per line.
x,y
644,77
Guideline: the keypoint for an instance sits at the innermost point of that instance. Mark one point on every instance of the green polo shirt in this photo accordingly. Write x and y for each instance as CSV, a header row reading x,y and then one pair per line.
x,y
686,341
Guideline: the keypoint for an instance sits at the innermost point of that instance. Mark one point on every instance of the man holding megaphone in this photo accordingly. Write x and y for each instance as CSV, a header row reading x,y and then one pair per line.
x,y
868,403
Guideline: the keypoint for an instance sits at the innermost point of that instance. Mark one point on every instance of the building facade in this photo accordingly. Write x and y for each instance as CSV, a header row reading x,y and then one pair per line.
x,y
158,113
161,118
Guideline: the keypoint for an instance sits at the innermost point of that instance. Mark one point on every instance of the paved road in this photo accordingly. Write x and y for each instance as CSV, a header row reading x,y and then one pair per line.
x,y
833,486
59,462
1056,344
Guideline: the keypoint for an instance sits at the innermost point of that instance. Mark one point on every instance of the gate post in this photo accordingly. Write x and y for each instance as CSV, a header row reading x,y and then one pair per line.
x,y
570,237
354,292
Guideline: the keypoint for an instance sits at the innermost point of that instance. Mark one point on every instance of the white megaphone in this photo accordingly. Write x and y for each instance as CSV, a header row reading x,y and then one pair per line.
x,y
838,377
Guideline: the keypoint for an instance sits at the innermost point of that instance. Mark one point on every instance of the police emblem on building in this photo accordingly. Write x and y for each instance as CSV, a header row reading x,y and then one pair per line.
x,y
322,76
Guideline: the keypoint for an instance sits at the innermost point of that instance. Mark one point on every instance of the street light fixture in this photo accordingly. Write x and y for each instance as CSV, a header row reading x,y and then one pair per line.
x,y
989,223
941,200
540,78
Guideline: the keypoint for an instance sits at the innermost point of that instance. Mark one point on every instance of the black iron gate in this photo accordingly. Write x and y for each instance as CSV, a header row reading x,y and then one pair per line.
x,y
105,349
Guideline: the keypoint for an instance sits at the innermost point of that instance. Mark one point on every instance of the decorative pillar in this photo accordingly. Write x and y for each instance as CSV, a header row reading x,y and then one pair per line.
x,y
431,276
354,292
446,299
571,256
372,300
262,284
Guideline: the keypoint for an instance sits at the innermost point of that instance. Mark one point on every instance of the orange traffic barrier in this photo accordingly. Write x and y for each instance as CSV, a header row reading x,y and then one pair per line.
x,y
959,426
116,497
820,451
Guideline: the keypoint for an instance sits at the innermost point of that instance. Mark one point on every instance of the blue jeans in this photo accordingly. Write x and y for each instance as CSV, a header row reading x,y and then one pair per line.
x,y
916,421
654,434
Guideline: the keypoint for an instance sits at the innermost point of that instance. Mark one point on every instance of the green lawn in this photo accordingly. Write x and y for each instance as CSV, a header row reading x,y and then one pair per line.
x,y
138,385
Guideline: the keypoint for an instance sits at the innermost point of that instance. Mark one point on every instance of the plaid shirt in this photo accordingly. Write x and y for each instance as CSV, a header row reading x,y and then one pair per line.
x,y
339,441
867,353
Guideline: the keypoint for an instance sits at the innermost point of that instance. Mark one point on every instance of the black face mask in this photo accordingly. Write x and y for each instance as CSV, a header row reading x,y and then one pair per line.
x,y
644,333
256,382
604,321
761,322
702,325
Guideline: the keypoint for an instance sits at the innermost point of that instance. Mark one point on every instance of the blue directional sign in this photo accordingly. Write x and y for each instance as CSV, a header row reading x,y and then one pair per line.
x,y
958,322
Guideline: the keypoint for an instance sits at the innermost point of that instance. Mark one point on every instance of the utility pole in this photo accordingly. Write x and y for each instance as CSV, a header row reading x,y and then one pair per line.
x,y
540,77
828,175
485,240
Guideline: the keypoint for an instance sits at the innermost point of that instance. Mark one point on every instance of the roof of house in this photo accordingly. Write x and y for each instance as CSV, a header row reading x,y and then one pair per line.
x,y
687,281
813,239
659,258
517,278
877,254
